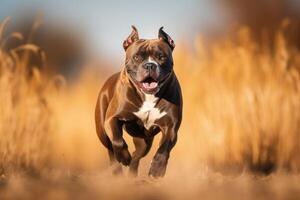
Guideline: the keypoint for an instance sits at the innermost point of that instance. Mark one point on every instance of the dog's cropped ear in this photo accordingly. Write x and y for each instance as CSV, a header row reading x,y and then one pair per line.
x,y
134,36
164,36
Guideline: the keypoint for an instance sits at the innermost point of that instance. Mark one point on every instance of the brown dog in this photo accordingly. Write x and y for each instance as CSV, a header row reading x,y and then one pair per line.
x,y
144,99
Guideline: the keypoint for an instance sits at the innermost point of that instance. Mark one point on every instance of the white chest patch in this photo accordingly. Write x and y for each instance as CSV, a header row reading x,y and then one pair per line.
x,y
148,113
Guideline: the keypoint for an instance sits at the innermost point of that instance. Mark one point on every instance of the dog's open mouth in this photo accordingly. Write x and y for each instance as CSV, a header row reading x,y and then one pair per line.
x,y
149,84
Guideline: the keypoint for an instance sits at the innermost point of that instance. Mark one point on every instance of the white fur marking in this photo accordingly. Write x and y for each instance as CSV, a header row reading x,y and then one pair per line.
x,y
150,60
117,143
148,113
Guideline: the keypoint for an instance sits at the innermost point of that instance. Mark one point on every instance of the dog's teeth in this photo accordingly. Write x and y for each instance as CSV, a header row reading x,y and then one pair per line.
x,y
150,85
146,85
153,84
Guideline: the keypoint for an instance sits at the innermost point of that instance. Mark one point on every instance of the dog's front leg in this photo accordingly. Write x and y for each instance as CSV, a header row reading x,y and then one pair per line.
x,y
113,128
160,160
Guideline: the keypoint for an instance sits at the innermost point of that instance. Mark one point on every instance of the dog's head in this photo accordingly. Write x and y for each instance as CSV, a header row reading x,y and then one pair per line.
x,y
149,63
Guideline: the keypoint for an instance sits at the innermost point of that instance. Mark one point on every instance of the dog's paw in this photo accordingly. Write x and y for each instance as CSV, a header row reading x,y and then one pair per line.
x,y
123,156
158,166
117,169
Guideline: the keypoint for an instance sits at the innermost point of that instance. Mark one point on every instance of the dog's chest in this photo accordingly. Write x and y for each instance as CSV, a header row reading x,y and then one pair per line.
x,y
148,113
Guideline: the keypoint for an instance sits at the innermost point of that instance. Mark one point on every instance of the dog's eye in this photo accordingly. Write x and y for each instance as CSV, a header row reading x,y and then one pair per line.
x,y
137,57
161,57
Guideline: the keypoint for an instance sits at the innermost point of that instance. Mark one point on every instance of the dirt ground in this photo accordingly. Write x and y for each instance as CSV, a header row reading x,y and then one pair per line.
x,y
178,184
241,115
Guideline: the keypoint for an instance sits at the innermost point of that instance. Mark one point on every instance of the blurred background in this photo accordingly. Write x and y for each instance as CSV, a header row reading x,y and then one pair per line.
x,y
70,31
238,62
105,24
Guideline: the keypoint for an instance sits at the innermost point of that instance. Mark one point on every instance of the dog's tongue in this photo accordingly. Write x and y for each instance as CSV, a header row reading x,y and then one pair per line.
x,y
151,85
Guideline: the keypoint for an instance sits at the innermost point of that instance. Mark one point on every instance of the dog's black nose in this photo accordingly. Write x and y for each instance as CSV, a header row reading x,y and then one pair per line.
x,y
150,66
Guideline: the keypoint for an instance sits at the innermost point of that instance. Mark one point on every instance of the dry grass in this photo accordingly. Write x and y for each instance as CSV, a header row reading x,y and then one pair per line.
x,y
25,116
241,115
245,103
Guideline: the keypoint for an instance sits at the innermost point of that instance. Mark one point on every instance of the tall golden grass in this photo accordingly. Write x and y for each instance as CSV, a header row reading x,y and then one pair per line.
x,y
24,112
242,102
241,114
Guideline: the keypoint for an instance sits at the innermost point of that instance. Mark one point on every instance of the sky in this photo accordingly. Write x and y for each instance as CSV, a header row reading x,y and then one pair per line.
x,y
107,23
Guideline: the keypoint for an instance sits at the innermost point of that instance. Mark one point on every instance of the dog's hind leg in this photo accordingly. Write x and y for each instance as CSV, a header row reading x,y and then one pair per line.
x,y
116,166
100,111
142,147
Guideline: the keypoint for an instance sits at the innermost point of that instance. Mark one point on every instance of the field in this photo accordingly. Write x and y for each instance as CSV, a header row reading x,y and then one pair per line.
x,y
240,136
